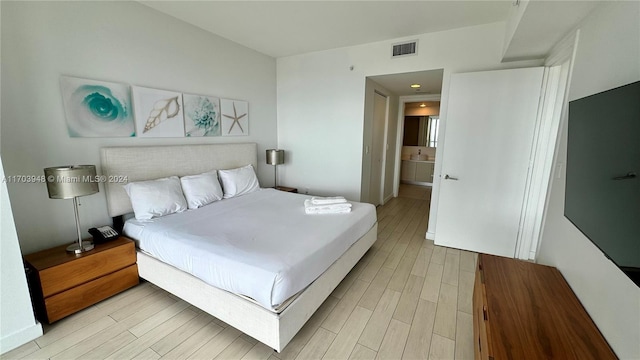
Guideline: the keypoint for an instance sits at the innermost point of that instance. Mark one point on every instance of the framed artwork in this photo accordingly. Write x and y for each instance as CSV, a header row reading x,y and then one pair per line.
x,y
158,113
235,117
97,108
201,115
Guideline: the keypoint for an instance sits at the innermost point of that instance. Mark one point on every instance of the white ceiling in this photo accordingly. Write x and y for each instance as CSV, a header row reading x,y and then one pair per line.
x,y
544,24
284,28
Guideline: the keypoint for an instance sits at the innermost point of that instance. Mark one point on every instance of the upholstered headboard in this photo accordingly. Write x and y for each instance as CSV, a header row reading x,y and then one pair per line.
x,y
121,165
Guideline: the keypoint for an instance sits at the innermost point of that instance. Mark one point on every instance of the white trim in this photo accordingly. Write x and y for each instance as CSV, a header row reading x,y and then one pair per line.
x,y
564,109
20,337
562,51
553,93
385,147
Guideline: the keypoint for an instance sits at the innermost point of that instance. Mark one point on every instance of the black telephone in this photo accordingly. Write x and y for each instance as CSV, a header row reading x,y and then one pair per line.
x,y
103,234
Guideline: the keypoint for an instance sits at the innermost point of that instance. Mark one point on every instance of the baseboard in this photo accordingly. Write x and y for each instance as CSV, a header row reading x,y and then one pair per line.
x,y
19,338
386,200
431,236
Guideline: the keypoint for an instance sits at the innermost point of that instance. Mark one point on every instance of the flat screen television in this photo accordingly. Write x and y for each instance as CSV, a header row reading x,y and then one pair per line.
x,y
602,196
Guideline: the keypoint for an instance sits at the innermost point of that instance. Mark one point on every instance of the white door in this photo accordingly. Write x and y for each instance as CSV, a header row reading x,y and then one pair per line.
x,y
377,148
487,146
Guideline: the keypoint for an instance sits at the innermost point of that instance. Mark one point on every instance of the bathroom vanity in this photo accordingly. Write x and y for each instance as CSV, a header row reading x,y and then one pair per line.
x,y
417,172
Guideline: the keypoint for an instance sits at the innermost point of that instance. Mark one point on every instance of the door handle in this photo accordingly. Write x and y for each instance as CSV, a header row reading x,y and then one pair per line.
x,y
447,177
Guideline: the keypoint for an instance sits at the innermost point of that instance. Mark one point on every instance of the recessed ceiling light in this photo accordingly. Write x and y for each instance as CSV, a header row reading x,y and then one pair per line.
x,y
423,105
415,86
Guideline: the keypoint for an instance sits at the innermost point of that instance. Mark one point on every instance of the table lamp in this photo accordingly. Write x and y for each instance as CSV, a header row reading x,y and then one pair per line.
x,y
70,182
275,157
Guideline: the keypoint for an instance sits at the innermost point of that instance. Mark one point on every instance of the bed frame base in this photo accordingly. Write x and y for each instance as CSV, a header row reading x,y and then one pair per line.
x,y
272,329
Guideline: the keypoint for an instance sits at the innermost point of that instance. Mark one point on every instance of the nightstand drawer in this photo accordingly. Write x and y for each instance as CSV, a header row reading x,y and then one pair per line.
x,y
90,266
85,295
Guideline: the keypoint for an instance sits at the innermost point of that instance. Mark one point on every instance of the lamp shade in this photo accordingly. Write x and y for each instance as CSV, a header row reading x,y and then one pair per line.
x,y
275,157
70,181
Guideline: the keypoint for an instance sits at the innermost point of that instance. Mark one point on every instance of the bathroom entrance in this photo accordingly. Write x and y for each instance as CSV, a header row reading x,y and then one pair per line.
x,y
419,142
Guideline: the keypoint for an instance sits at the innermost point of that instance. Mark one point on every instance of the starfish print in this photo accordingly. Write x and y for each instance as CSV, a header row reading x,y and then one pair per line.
x,y
235,118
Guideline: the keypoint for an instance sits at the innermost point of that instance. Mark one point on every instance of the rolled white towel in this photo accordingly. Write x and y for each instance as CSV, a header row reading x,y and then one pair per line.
x,y
317,200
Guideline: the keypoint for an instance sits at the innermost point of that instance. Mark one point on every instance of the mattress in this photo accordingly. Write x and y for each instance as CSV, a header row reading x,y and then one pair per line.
x,y
260,245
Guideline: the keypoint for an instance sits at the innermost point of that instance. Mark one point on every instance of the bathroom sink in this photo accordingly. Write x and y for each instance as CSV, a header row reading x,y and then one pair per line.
x,y
419,157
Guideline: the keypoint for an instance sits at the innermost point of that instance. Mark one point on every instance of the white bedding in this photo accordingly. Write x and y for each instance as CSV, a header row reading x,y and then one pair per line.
x,y
261,245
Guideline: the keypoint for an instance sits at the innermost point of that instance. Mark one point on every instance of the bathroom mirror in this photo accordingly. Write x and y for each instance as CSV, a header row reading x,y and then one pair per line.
x,y
421,131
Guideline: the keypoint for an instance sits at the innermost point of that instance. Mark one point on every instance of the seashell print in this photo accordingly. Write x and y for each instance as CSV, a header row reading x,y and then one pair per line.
x,y
162,110
96,108
202,115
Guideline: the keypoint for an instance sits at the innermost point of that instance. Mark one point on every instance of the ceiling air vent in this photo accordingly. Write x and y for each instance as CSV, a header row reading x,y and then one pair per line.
x,y
408,48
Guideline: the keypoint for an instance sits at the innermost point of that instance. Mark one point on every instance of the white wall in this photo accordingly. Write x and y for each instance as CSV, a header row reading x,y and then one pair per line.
x,y
321,102
18,325
608,56
113,41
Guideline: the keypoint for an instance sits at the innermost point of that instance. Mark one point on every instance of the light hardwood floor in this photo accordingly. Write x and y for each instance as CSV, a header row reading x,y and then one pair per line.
x,y
406,299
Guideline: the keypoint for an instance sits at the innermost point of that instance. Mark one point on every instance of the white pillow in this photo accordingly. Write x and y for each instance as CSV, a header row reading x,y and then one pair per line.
x,y
238,181
156,198
200,190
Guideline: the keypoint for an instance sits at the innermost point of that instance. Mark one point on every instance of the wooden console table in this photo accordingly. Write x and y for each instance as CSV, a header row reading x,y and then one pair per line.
x,y
523,310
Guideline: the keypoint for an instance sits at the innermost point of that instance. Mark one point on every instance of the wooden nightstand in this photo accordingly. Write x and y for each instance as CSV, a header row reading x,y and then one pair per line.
x,y
62,283
287,189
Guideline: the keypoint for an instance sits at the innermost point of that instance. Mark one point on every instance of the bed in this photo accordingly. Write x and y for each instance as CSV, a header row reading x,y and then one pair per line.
x,y
273,320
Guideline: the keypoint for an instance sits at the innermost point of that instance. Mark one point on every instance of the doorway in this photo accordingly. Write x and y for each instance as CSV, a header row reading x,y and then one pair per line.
x,y
396,88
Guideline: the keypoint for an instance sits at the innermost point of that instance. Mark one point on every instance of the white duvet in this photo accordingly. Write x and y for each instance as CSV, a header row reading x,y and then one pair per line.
x,y
261,245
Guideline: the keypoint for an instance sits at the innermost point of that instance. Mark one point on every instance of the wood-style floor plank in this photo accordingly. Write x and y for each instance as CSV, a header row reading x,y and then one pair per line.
x,y
259,351
72,339
22,351
431,287
343,309
445,324
419,339
374,332
151,337
394,340
194,342
451,268
375,290
407,298
362,353
317,346
442,348
348,336
464,339
302,337
184,332
217,344
465,291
